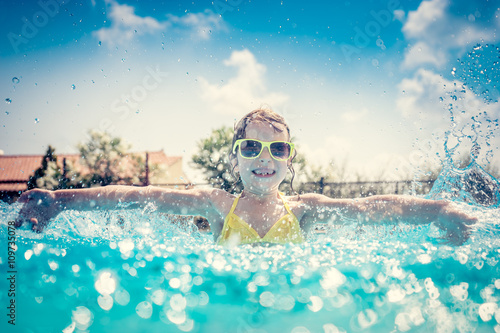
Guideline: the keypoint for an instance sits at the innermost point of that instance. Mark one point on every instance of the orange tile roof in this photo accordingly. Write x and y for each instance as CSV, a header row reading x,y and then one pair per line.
x,y
15,170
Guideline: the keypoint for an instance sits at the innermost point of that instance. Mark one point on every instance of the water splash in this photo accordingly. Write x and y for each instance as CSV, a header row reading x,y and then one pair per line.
x,y
471,184
479,70
469,140
140,265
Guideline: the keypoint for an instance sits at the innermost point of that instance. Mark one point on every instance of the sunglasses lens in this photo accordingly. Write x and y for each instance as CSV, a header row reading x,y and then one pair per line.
x,y
280,150
250,148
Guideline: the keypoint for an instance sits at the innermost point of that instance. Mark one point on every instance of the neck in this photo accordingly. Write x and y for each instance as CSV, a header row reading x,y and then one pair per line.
x,y
260,196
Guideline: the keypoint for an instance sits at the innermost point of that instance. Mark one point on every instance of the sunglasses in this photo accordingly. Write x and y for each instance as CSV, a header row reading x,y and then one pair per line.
x,y
251,148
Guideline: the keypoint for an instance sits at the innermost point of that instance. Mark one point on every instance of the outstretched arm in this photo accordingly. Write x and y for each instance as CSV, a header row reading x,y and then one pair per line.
x,y
42,205
389,208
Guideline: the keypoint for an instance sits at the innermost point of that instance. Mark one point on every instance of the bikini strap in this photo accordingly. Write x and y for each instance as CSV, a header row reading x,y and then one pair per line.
x,y
285,203
235,202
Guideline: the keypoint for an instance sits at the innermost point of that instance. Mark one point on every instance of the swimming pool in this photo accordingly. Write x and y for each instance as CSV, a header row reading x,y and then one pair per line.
x,y
129,270
135,271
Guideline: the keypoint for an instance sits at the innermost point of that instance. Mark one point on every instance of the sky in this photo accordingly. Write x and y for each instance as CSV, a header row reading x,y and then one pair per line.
x,y
363,84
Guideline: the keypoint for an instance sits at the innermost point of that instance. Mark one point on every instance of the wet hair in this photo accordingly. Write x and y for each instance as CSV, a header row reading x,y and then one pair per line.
x,y
263,116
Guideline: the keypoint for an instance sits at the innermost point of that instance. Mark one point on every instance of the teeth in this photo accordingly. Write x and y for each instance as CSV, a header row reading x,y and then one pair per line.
x,y
259,172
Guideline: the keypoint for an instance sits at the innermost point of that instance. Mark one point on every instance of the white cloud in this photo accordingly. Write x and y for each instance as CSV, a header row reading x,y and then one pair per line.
x,y
439,34
399,15
423,53
201,24
427,14
246,91
125,24
421,101
354,116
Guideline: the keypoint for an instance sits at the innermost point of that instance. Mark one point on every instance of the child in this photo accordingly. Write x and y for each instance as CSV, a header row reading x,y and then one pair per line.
x,y
261,154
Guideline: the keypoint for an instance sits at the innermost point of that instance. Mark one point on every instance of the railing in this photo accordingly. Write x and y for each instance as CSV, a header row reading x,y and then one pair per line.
x,y
366,188
333,189
346,189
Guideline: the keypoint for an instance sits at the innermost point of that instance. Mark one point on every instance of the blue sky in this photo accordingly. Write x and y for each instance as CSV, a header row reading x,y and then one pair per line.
x,y
362,82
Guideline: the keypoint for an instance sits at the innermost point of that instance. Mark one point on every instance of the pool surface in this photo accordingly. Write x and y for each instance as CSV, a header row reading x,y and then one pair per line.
x,y
133,271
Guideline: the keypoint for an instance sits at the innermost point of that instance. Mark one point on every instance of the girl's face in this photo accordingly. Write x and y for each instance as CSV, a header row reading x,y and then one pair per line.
x,y
263,174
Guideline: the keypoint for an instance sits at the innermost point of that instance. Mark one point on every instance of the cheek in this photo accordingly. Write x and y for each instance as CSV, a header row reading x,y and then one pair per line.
x,y
242,165
283,168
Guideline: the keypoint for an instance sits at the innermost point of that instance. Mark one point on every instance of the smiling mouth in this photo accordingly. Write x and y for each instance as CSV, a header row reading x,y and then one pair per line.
x,y
263,173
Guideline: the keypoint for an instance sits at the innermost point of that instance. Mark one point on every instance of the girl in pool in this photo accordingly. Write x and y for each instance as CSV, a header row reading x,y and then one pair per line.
x,y
261,154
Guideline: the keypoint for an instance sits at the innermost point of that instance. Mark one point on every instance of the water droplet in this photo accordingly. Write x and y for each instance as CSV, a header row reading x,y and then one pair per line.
x,y
144,309
8,100
73,87
105,302
99,43
7,112
37,120
123,59
137,112
15,80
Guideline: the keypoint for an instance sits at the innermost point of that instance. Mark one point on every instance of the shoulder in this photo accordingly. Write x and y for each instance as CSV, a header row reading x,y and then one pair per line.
x,y
302,204
309,199
312,202
221,200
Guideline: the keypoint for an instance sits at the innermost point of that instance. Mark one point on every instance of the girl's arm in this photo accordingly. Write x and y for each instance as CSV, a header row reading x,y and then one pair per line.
x,y
42,205
387,209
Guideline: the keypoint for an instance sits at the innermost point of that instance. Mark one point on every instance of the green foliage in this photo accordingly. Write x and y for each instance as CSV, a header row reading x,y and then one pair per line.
x,y
103,156
213,159
105,160
50,176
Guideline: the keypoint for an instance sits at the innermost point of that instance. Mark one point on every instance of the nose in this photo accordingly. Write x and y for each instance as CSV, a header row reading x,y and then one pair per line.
x,y
265,156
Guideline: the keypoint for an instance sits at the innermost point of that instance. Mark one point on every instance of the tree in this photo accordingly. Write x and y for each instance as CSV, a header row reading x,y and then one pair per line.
x,y
50,176
104,158
213,159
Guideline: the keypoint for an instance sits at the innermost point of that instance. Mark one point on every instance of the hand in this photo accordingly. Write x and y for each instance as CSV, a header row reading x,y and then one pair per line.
x,y
456,223
39,207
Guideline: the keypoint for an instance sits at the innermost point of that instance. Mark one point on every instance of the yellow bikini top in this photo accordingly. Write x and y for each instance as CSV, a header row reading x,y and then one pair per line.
x,y
236,231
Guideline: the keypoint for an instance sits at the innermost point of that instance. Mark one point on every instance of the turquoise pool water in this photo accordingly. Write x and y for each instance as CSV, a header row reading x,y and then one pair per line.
x,y
132,271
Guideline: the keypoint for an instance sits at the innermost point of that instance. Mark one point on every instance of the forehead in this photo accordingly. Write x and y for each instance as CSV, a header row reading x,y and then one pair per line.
x,y
265,132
